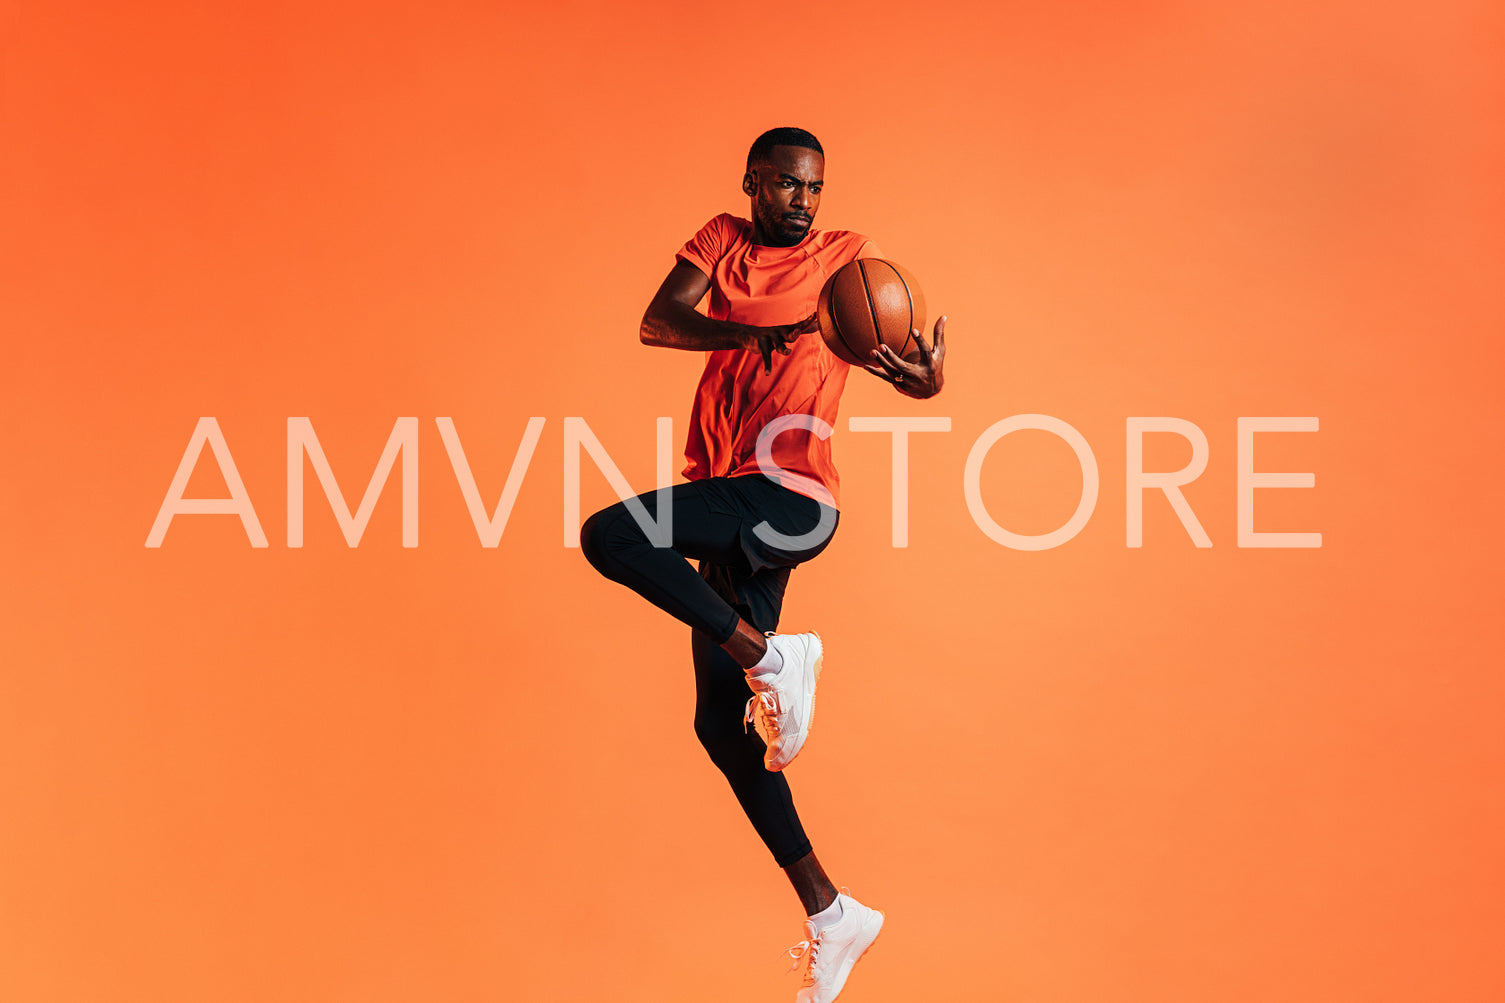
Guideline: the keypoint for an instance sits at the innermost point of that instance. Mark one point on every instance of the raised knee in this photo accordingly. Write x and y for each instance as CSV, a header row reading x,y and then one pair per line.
x,y
593,539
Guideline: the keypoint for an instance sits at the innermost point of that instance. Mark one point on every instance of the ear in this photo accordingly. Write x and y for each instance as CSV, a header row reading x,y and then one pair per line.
x,y
750,183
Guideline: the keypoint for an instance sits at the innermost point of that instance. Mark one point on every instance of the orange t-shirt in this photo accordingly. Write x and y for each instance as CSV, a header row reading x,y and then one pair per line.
x,y
735,400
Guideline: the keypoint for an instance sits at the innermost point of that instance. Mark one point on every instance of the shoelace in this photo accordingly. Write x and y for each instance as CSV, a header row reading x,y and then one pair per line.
x,y
770,704
804,948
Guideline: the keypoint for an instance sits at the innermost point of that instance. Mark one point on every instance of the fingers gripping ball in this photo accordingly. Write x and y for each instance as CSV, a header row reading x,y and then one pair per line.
x,y
869,302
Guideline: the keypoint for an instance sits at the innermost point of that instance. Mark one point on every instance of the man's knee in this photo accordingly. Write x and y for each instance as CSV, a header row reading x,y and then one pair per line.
x,y
593,539
728,743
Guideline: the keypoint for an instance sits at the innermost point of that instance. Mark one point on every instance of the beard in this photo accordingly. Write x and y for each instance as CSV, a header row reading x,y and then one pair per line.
x,y
781,229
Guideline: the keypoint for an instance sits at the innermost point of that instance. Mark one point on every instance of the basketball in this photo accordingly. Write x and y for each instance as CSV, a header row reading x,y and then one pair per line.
x,y
869,302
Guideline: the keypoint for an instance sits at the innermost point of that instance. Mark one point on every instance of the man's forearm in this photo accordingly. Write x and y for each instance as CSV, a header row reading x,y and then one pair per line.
x,y
679,326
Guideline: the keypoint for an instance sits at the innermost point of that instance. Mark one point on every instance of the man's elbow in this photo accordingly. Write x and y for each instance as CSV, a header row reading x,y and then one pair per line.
x,y
651,330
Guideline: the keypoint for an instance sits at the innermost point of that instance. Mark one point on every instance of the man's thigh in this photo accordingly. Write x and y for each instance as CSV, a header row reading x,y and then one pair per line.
x,y
702,525
776,527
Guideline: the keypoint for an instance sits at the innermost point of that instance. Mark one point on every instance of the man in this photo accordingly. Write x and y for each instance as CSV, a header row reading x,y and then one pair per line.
x,y
762,497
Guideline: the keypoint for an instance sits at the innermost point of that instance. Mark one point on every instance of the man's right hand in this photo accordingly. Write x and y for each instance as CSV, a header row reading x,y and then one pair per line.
x,y
671,321
768,340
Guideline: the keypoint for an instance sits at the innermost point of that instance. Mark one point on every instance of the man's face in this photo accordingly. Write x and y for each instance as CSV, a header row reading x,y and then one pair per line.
x,y
785,191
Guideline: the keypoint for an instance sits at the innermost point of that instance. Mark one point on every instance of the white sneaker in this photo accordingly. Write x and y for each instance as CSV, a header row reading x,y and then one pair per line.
x,y
783,702
832,952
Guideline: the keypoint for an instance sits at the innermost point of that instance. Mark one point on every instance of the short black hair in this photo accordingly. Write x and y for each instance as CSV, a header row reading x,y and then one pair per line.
x,y
784,136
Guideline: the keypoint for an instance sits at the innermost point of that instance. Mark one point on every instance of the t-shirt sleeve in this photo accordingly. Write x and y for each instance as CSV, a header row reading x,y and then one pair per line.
x,y
706,248
868,249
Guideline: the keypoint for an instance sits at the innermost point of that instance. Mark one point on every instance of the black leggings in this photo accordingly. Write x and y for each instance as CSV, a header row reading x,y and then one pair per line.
x,y
742,575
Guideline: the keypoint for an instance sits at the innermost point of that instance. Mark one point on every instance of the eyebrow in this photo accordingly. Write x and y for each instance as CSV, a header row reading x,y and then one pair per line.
x,y
801,181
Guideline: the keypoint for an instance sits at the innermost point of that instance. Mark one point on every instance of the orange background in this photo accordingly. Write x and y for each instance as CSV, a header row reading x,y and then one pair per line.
x,y
1092,774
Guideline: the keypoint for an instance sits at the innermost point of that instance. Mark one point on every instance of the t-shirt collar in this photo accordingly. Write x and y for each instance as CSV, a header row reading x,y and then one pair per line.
x,y
761,251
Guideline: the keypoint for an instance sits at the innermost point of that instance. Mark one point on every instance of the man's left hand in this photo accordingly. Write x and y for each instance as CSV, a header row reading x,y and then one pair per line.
x,y
913,379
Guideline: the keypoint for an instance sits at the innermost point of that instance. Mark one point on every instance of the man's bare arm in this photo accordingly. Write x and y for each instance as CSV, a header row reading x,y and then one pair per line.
x,y
671,321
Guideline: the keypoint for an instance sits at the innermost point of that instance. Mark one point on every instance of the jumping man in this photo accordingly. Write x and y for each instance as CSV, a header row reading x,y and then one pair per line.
x,y
759,501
